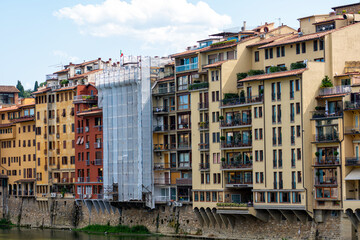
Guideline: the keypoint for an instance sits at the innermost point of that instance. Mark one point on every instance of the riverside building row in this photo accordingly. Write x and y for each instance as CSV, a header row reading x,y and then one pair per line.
x,y
242,125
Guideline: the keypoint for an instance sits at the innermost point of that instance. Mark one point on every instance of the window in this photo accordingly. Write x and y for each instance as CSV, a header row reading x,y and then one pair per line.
x,y
272,197
64,128
256,156
278,52
260,134
321,44
280,158
292,89
274,136
297,108
315,45
183,102
260,112
213,96
271,53
298,48
256,113
296,197
303,47
256,56
207,178
257,177
279,113
292,117
183,82
299,178
261,155
298,153
256,134
196,196
273,113
260,197
279,136
278,89
274,158
273,91
292,157
292,132
297,85
298,130
217,96
283,51
266,53
202,178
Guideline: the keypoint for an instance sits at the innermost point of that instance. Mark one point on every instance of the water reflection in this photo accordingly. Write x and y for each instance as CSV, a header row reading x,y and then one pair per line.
x,y
47,234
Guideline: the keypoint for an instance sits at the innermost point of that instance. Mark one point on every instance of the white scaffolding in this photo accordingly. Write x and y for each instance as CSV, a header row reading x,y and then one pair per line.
x,y
125,97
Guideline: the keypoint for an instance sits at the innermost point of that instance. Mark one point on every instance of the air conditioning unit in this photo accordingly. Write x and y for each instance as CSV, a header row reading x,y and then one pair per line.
x,y
53,195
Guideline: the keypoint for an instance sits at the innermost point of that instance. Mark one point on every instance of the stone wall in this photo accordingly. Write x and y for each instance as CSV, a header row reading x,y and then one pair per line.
x,y
62,213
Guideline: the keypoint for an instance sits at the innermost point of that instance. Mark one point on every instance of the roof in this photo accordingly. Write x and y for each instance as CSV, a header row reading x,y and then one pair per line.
x,y
12,108
347,74
42,90
215,64
215,47
62,71
269,40
8,89
274,75
349,5
188,52
5,125
64,89
353,175
85,74
328,20
332,95
317,15
86,63
91,112
166,79
25,180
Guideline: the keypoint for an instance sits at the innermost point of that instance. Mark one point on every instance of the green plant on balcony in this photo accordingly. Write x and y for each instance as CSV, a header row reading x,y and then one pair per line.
x,y
64,82
326,82
255,72
202,124
198,85
223,159
228,97
297,65
222,138
274,69
43,84
344,11
317,154
223,43
231,204
241,75
221,117
336,153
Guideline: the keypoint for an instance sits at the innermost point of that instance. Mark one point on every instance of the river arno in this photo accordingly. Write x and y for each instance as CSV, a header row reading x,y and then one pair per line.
x,y
47,234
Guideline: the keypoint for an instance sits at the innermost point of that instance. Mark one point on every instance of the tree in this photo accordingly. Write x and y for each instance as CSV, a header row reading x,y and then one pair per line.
x,y
326,82
36,86
20,87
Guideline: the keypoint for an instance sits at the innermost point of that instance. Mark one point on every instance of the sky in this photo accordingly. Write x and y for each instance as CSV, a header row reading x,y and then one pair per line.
x,y
38,37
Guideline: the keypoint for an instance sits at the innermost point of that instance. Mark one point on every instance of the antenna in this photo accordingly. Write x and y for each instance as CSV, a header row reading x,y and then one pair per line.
x,y
57,65
279,24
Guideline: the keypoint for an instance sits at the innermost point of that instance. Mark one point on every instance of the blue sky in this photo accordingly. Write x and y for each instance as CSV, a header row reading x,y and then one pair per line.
x,y
39,36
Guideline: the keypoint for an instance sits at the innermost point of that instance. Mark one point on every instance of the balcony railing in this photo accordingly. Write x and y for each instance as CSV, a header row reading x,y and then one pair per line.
x,y
352,130
327,161
160,147
51,77
187,67
236,165
184,145
349,105
334,90
235,123
85,98
98,162
203,125
184,181
326,137
239,180
161,166
203,105
97,145
326,114
203,146
200,85
326,181
204,166
164,90
161,128
241,101
162,198
160,109
161,181
352,161
239,144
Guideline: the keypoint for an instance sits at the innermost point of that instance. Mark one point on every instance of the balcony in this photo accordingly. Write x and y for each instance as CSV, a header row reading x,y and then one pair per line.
x,y
237,165
98,162
51,77
204,166
240,181
327,161
161,128
85,99
203,146
184,181
232,123
187,67
198,86
161,166
242,101
203,106
164,147
162,181
236,145
203,126
352,161
160,110
318,114
350,105
352,130
162,199
184,146
97,145
334,90
326,138
326,181
163,90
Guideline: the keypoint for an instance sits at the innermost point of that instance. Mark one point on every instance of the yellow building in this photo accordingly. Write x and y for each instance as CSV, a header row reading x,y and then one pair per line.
x,y
17,152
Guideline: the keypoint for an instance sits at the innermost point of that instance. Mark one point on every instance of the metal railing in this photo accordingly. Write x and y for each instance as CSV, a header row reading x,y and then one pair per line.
x,y
234,123
239,180
327,160
326,181
184,145
162,180
186,67
160,109
352,130
350,105
236,165
161,166
334,90
326,114
326,137
203,146
204,166
238,144
352,161
203,125
164,90
161,128
241,101
184,181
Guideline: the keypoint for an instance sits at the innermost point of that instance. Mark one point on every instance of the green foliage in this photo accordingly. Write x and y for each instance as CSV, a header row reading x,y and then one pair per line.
x,y
43,84
64,82
20,87
255,72
36,86
27,93
199,85
344,11
274,69
326,82
241,75
138,229
222,138
5,221
297,65
223,43
231,204
231,95
221,117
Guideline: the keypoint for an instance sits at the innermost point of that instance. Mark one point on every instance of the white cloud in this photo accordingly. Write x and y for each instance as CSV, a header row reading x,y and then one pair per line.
x,y
173,24
65,56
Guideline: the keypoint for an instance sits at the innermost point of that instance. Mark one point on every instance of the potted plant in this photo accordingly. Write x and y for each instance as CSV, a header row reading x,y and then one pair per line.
x,y
221,117
336,153
242,96
222,138
223,159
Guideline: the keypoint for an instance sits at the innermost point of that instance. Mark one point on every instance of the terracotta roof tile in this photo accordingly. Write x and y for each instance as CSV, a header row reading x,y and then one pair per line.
x,y
273,75
166,79
64,89
42,90
347,74
332,95
215,64
92,112
85,63
328,20
188,52
85,74
269,40
62,71
8,89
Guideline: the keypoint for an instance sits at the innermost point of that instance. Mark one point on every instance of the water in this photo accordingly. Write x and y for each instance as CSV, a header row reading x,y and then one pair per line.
x,y
47,234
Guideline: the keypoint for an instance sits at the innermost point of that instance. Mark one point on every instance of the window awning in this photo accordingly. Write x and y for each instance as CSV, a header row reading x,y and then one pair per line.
x,y
353,175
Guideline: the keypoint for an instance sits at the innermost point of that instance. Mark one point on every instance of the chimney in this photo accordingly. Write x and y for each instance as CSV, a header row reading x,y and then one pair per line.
x,y
109,59
99,58
244,26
